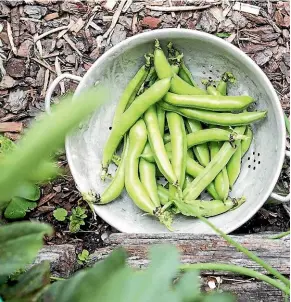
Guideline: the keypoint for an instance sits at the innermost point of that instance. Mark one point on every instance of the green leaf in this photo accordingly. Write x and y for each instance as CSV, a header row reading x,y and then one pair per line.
x,y
28,191
6,145
29,283
74,226
60,214
18,207
84,255
19,244
223,35
44,137
188,286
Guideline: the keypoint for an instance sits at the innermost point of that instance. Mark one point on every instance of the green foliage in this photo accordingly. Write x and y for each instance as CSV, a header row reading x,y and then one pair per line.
x,y
19,244
83,257
77,219
28,161
6,145
222,35
60,214
29,285
18,207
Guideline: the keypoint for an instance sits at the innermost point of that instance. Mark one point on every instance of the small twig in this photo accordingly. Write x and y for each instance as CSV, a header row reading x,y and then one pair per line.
x,y
39,47
72,44
180,8
10,37
54,30
115,18
59,72
31,19
46,81
127,6
54,54
44,64
90,20
171,4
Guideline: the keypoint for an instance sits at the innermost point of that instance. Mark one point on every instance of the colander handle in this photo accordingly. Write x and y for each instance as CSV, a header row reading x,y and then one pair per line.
x,y
278,197
54,84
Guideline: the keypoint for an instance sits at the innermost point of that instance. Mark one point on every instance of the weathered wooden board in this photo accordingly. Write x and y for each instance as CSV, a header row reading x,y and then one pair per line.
x,y
193,249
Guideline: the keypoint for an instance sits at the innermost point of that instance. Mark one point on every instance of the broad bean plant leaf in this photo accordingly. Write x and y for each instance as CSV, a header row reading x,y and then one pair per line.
x,y
18,207
28,284
43,138
19,244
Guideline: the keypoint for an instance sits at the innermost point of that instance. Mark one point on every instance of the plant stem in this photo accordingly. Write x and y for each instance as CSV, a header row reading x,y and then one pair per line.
x,y
281,235
57,278
236,269
287,123
248,253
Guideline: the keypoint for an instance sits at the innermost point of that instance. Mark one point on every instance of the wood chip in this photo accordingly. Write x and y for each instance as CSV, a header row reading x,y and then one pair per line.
x,y
72,44
54,54
59,72
11,127
31,20
12,136
247,8
109,5
231,37
39,47
171,4
46,198
180,8
107,18
51,16
54,30
10,37
78,25
95,26
115,18
90,20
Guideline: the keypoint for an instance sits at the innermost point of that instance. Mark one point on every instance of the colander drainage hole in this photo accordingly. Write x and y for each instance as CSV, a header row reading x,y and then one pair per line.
x,y
259,162
249,166
254,168
110,128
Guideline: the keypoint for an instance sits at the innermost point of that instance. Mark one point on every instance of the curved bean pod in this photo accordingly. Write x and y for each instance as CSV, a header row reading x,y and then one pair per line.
x,y
212,90
179,86
162,66
211,170
216,118
209,135
163,195
133,185
161,114
221,181
222,85
234,165
157,145
208,208
131,90
179,145
117,184
147,173
201,151
209,102
130,116
245,145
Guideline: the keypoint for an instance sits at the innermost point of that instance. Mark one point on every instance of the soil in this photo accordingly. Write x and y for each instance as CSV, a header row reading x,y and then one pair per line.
x,y
28,66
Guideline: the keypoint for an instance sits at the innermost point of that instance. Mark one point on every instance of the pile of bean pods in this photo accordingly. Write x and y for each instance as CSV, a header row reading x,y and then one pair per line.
x,y
195,138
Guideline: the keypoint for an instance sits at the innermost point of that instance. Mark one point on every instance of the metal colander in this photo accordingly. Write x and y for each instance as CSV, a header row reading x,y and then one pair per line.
x,y
207,57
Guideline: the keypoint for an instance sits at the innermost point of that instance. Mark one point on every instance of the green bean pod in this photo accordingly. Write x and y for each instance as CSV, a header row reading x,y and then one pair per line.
x,y
167,138
161,114
234,165
150,79
157,145
209,102
179,145
131,90
217,118
179,86
208,208
147,173
162,66
211,170
133,185
117,184
129,117
163,195
221,181
212,90
209,135
245,144
222,84
201,151
192,168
